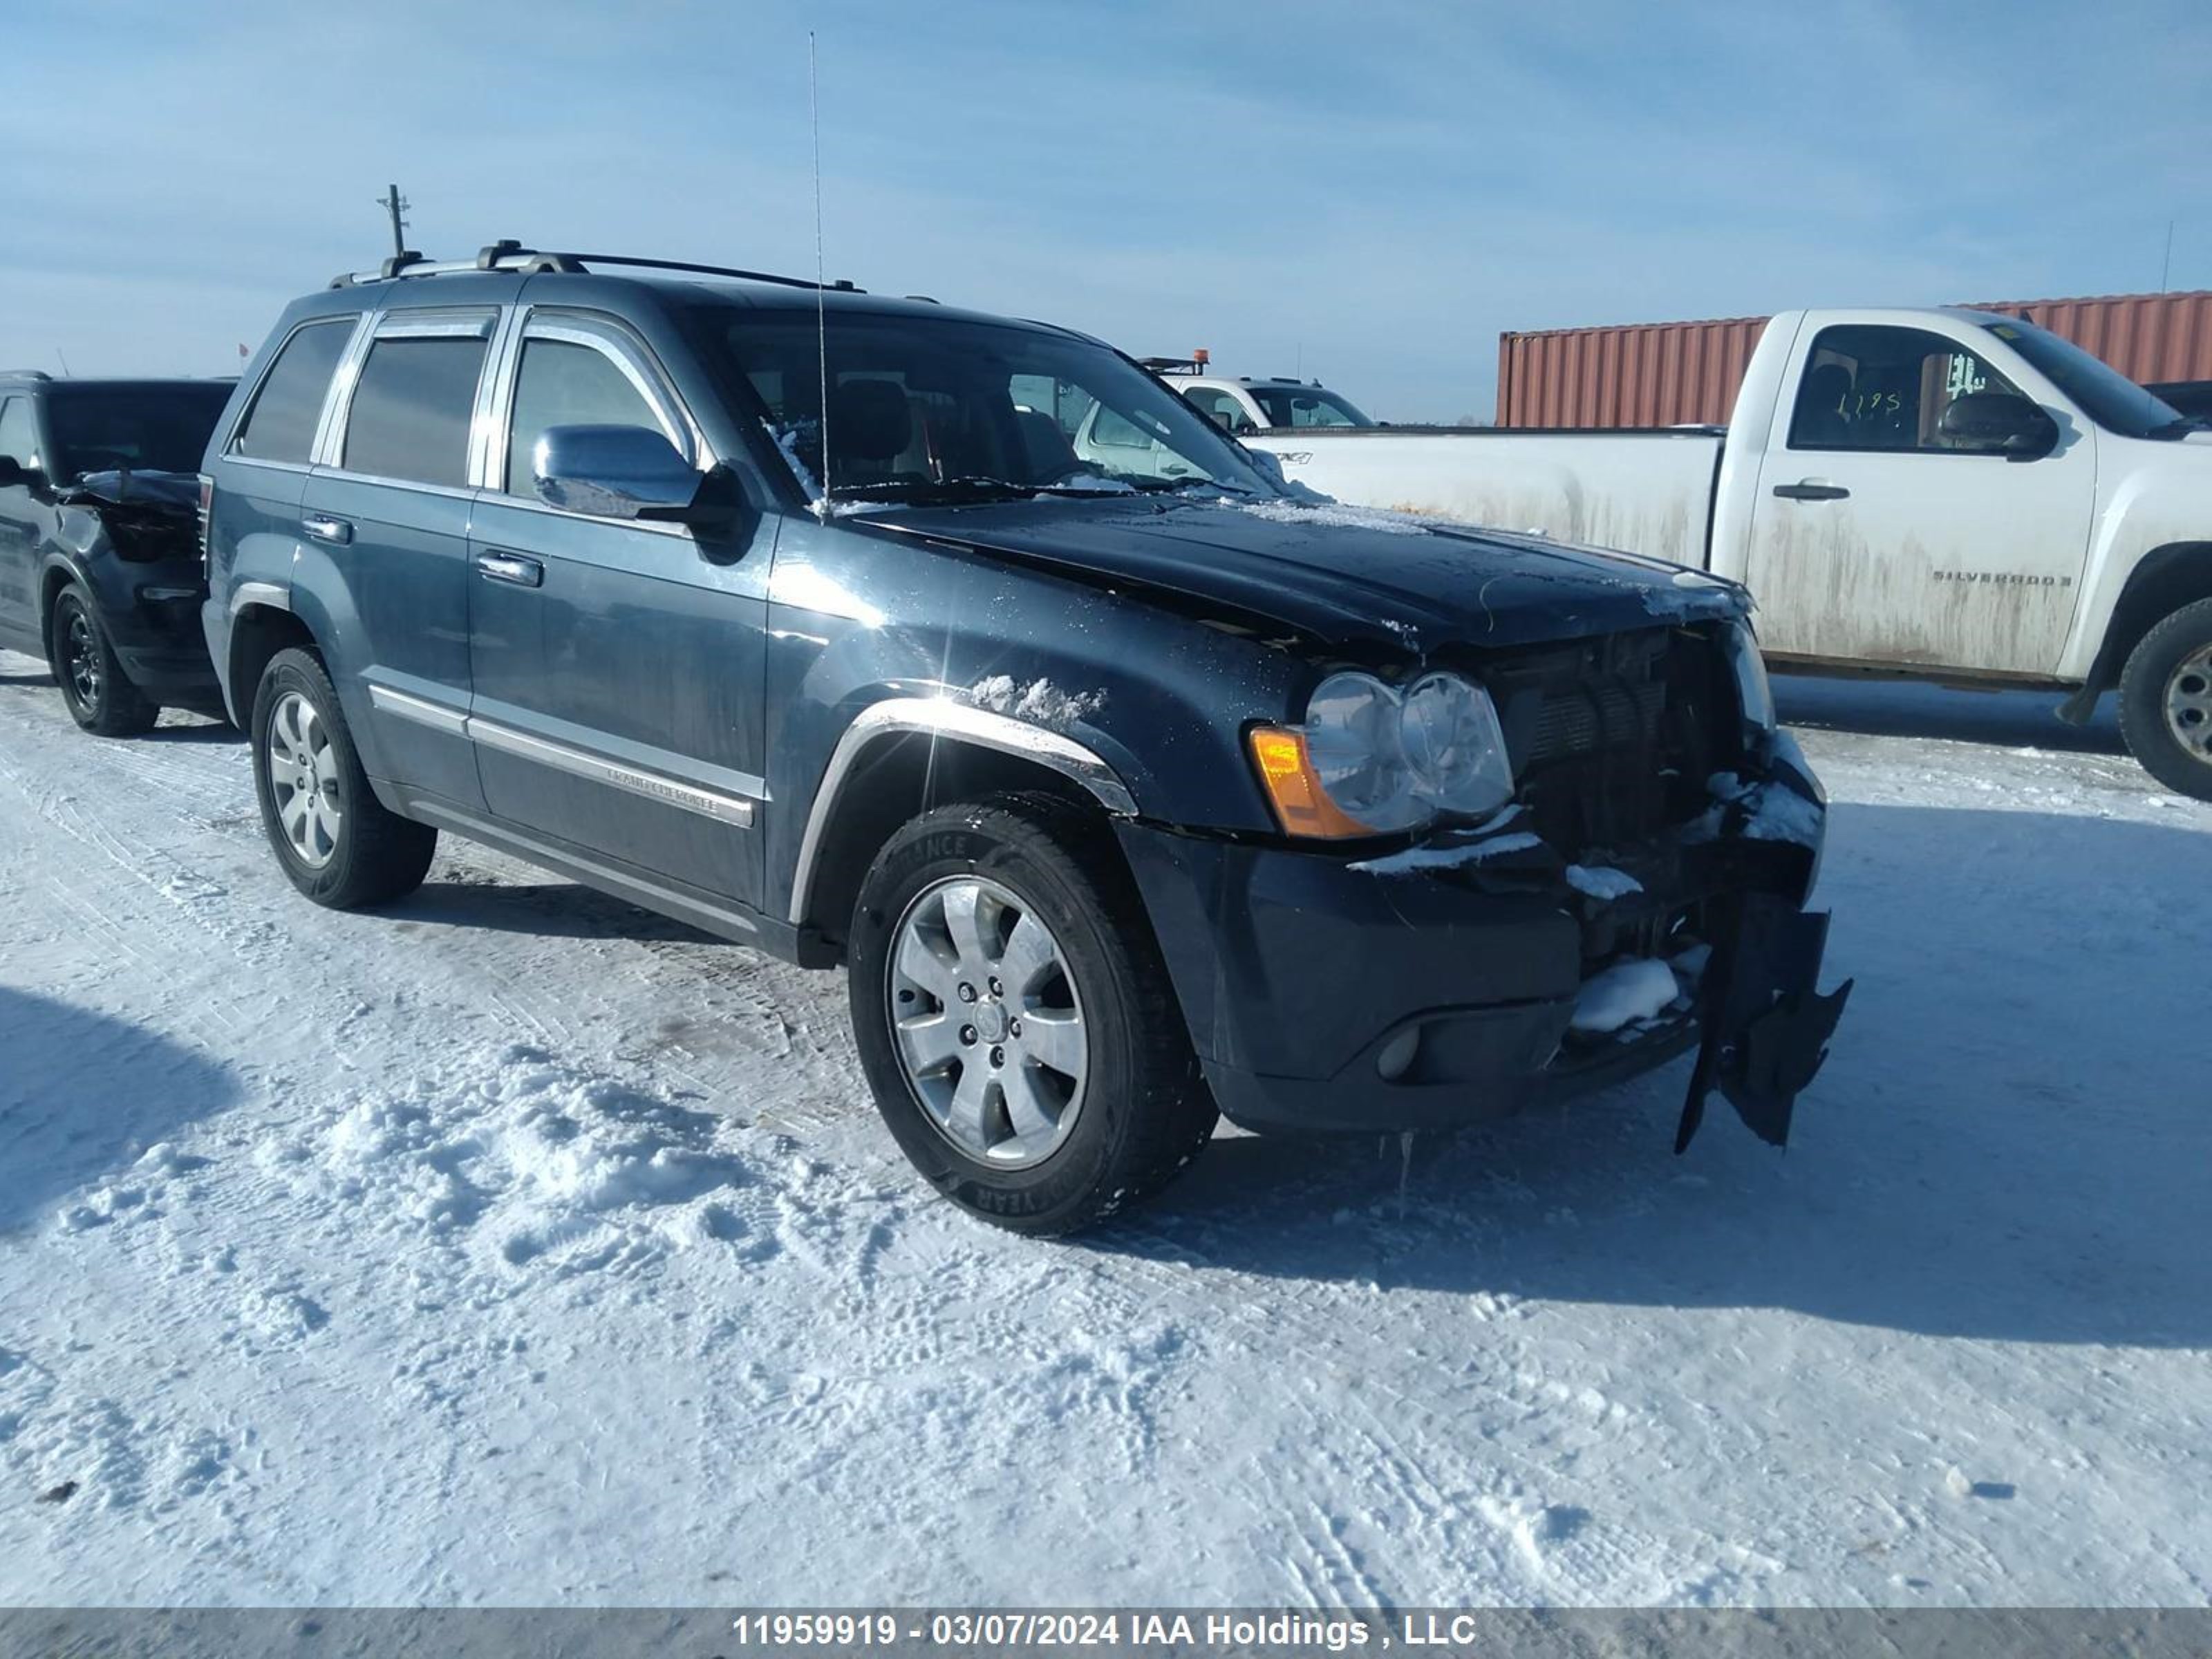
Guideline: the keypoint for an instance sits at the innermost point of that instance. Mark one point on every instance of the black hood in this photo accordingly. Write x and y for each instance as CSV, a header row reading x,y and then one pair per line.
x,y
1339,575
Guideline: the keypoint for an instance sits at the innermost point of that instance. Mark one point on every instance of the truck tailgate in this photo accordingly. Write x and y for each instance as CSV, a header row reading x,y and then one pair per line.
x,y
1644,492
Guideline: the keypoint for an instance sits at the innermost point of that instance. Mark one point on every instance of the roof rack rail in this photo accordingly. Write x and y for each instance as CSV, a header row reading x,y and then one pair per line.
x,y
507,254
24,375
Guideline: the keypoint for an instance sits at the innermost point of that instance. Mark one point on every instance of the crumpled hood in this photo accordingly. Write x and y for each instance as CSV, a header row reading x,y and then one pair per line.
x,y
1341,575
146,517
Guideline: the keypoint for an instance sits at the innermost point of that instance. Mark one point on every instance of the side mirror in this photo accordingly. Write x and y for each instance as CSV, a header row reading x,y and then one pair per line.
x,y
13,473
614,472
2000,422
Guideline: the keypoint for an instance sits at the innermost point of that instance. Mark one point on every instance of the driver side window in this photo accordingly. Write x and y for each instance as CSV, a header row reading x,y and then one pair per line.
x,y
561,382
1867,387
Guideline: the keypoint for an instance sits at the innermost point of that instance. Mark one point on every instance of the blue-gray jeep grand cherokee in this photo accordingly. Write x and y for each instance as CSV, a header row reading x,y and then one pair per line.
x,y
962,651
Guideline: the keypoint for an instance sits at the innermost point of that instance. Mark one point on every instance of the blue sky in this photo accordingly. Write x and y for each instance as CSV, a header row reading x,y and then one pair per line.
x,y
1366,191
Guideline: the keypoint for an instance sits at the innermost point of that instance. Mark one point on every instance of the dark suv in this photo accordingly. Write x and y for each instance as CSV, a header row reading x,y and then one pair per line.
x,y
100,553
964,653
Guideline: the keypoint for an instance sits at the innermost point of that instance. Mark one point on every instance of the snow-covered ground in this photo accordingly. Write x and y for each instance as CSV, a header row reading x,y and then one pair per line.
x,y
516,1247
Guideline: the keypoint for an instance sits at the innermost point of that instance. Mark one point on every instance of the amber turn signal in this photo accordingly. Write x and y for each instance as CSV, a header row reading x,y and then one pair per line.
x,y
1286,773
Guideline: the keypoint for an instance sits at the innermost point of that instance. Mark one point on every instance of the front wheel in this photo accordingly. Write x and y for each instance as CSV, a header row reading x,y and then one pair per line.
x,y
1014,1017
337,843
96,691
2165,701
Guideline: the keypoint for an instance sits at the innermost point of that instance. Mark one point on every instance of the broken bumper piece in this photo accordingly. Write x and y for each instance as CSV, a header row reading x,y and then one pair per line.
x,y
1767,1024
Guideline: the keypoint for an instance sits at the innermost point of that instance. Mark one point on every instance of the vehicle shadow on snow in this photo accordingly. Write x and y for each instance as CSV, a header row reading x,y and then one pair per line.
x,y
82,1095
1900,709
2010,1140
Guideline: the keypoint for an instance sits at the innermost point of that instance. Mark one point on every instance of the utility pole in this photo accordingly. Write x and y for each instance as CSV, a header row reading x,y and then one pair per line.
x,y
395,205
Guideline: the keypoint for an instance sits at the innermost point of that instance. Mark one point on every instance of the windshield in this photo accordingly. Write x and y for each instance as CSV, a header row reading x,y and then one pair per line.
x,y
106,428
2106,396
924,408
1304,405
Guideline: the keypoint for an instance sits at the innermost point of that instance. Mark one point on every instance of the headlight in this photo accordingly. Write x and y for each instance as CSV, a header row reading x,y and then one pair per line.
x,y
1373,760
1752,689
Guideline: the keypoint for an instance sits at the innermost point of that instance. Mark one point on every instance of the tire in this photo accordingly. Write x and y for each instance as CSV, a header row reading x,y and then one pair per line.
x,y
337,842
2166,702
1140,1111
96,691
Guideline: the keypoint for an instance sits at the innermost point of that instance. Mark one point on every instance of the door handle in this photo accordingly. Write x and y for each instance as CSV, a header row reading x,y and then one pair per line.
x,y
1811,489
511,567
324,528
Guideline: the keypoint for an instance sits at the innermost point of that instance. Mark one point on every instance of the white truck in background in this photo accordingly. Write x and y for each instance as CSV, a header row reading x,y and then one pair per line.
x,y
1243,404
1946,494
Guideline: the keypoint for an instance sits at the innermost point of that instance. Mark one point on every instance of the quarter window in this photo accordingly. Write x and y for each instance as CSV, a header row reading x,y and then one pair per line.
x,y
1877,388
563,383
281,424
411,409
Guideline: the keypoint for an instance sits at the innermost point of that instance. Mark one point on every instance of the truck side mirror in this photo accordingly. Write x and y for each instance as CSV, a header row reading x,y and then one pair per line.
x,y
13,473
1999,422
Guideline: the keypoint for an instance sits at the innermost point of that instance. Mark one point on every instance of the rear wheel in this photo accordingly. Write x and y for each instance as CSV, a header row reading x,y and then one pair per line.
x,y
96,691
2165,701
337,842
1014,1017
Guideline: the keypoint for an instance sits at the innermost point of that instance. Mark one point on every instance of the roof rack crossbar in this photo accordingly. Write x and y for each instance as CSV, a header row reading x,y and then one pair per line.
x,y
507,254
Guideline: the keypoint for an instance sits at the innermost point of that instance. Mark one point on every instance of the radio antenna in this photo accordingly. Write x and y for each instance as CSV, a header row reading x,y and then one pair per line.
x,y
821,303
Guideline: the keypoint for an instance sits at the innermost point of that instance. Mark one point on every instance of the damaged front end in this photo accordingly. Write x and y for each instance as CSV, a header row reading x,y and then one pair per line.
x,y
1640,897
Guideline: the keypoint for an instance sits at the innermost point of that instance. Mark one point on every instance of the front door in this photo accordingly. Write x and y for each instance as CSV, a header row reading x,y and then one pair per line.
x,y
22,516
618,665
1877,538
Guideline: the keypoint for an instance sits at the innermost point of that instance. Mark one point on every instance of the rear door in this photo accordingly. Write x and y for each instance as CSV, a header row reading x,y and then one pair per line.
x,y
387,516
618,665
1877,539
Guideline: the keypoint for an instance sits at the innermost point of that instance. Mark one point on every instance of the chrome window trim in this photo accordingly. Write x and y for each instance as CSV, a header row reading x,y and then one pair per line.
x,y
722,806
945,717
461,324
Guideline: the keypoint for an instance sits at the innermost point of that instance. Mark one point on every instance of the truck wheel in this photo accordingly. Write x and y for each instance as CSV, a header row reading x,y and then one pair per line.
x,y
1015,1020
337,843
2165,701
98,694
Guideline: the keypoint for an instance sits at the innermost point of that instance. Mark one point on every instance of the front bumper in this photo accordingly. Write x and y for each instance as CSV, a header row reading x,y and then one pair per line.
x,y
1326,993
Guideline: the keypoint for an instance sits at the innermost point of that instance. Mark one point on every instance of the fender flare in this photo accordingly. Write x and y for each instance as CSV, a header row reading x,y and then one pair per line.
x,y
961,722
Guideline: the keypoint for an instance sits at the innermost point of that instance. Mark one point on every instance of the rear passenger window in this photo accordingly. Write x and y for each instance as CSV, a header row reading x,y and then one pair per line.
x,y
281,424
561,383
411,410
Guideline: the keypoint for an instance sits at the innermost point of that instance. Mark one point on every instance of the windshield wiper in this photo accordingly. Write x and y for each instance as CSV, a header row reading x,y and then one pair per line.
x,y
944,491
1162,486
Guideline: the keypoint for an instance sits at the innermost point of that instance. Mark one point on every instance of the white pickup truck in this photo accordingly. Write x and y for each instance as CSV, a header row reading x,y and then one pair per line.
x,y
1947,495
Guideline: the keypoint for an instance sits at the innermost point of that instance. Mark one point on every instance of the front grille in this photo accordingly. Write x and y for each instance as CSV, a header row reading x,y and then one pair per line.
x,y
1613,738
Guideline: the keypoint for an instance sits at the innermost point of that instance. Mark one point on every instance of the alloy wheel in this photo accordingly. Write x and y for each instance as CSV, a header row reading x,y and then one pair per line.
x,y
303,780
80,658
988,1021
